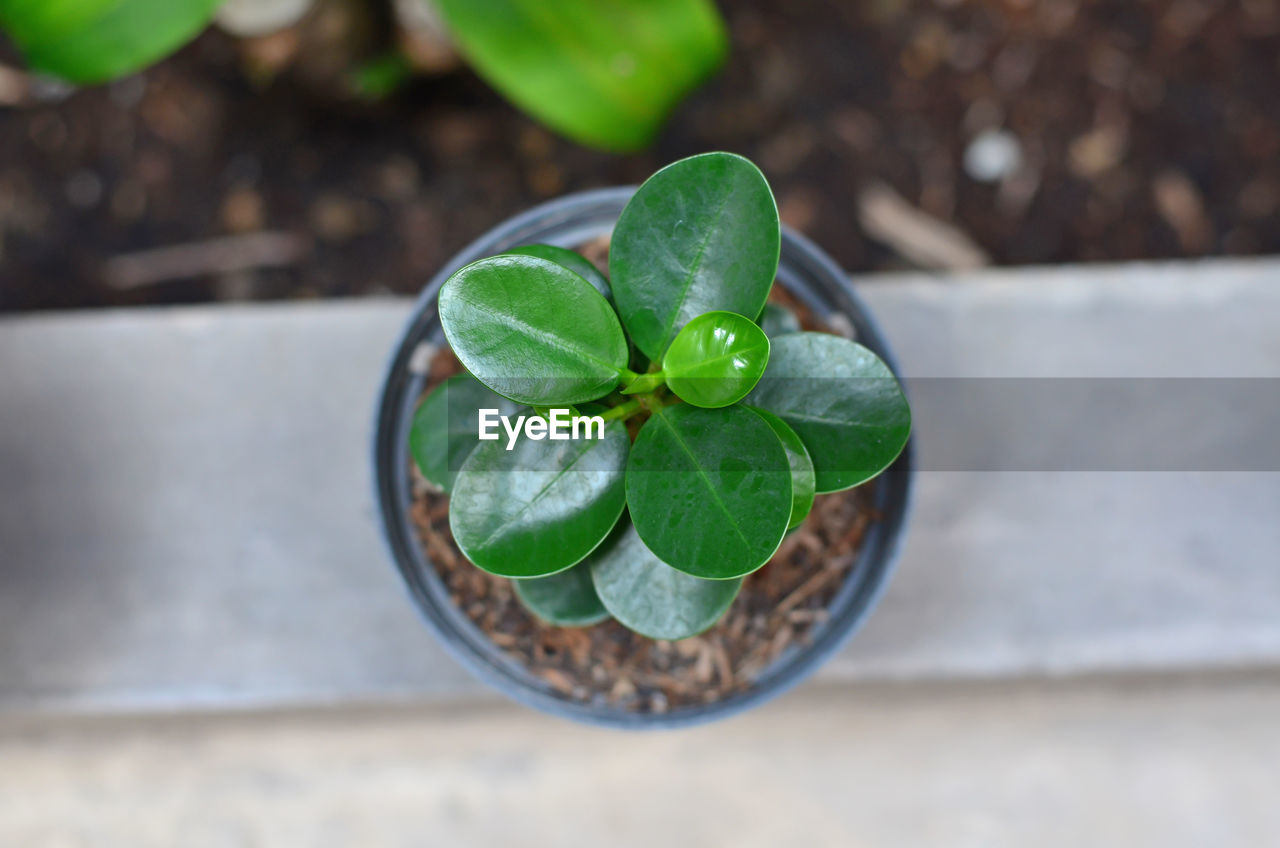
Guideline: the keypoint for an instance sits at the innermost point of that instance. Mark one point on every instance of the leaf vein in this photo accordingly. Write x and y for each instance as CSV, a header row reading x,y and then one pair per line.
x,y
693,270
506,523
715,495
549,339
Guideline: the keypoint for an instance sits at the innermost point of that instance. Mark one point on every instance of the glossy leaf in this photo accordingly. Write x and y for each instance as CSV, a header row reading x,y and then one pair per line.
x,y
604,74
700,235
709,490
777,319
571,259
533,331
446,423
542,506
652,598
843,402
716,359
803,482
89,41
567,599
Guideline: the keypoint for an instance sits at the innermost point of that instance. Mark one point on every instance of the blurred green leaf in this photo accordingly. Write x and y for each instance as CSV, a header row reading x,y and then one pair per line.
x,y
652,598
89,41
567,599
381,76
777,319
447,423
603,72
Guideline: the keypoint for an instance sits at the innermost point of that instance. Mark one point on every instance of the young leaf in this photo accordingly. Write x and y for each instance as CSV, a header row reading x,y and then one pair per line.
x,y
542,506
709,490
571,259
777,319
652,598
446,423
716,359
843,402
567,599
533,331
89,41
604,74
700,235
802,477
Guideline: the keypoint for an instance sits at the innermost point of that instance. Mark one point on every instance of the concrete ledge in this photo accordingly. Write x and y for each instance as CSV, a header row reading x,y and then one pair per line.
x,y
186,518
1169,763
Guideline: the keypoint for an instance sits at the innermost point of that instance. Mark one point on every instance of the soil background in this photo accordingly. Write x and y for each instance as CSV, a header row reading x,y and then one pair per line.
x,y
1146,130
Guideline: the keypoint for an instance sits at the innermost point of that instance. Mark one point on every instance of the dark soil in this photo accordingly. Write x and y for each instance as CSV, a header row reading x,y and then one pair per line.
x,y
1147,130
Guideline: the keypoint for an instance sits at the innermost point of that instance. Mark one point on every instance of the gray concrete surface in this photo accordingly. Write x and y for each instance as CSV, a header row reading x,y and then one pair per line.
x,y
186,518
1159,763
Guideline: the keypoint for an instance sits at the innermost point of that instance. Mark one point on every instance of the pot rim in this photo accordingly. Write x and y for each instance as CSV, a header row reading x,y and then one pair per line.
x,y
465,642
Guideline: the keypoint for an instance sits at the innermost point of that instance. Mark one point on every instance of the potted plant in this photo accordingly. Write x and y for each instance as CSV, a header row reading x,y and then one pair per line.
x,y
652,498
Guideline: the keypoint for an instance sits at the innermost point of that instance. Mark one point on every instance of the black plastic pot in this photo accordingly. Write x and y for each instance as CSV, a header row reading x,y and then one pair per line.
x,y
808,274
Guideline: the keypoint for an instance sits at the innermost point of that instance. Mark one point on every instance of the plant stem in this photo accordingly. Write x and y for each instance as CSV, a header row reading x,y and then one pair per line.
x,y
623,410
643,383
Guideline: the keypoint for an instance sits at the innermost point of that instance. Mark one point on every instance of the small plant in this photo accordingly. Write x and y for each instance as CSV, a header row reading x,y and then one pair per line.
x,y
716,438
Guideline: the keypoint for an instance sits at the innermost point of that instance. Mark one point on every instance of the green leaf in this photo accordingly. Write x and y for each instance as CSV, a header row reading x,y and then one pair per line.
x,y
380,77
533,331
541,507
571,259
603,73
446,424
716,359
777,319
567,599
709,490
89,41
652,598
700,235
843,402
803,482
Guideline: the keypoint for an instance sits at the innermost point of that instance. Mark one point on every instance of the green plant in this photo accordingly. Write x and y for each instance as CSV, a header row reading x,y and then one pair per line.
x,y
87,41
734,433
602,73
